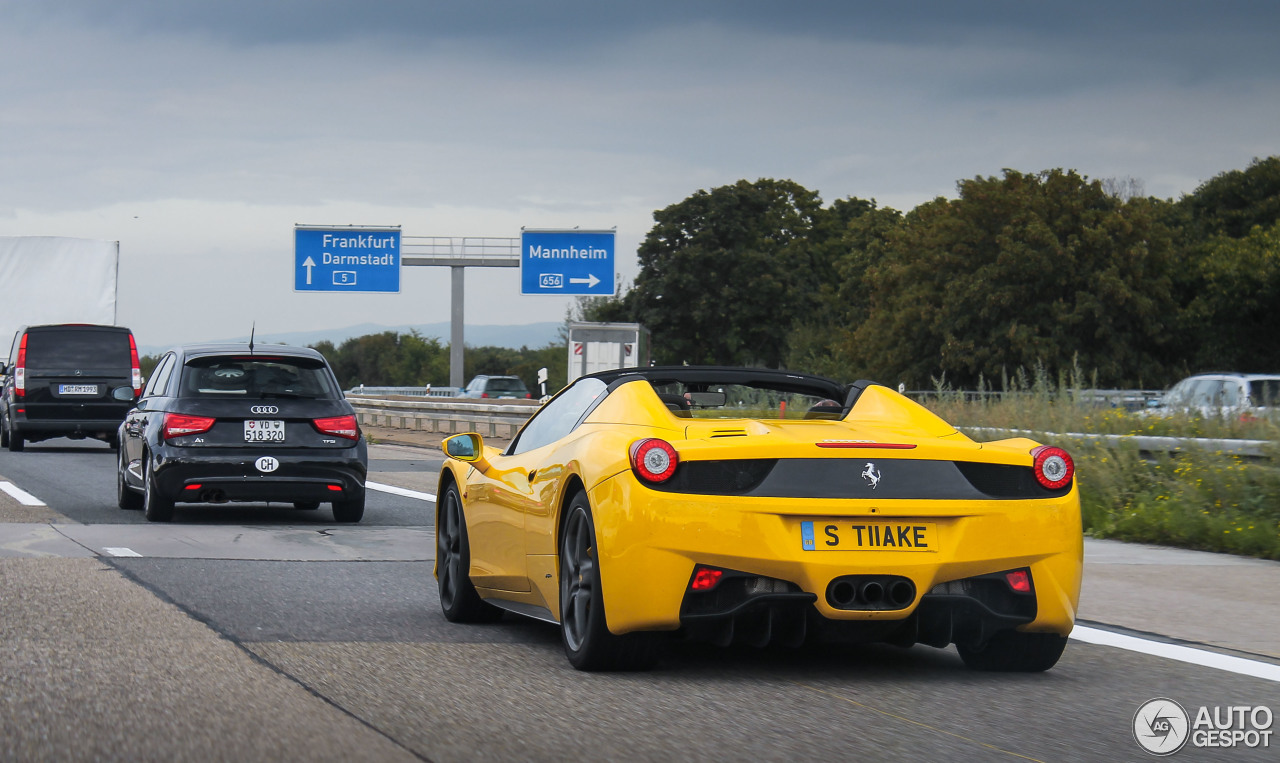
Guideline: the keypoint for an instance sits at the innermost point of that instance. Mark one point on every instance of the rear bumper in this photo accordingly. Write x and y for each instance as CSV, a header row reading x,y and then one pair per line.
x,y
203,475
43,428
650,543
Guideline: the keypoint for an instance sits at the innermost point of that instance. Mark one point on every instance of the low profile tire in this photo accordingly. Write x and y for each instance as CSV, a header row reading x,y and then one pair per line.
x,y
126,498
4,430
307,505
348,511
157,507
458,597
1014,652
587,641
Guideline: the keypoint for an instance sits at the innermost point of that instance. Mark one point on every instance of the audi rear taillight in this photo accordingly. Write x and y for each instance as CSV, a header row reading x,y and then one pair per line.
x,y
137,367
181,425
654,460
340,426
1053,467
20,370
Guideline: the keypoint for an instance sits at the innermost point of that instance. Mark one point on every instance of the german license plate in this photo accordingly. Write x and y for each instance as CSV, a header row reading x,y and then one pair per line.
x,y
77,389
259,430
856,535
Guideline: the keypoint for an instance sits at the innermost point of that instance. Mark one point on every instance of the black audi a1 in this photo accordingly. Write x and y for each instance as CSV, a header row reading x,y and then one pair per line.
x,y
235,422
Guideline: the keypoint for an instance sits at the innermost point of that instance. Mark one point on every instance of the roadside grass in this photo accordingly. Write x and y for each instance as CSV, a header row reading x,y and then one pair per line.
x,y
1197,498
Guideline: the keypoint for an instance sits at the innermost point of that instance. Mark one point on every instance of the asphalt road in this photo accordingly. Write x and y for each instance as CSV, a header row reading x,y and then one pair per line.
x,y
270,633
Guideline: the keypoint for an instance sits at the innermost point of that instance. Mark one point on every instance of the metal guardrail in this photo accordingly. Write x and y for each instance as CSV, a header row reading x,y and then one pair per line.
x,y
1144,443
503,419
445,417
363,391
1129,399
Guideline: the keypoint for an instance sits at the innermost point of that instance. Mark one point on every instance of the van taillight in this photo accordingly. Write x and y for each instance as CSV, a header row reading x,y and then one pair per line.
x,y
342,426
137,367
20,371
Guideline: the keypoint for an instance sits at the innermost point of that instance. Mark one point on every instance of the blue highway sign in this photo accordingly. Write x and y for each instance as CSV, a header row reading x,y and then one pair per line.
x,y
567,262
351,258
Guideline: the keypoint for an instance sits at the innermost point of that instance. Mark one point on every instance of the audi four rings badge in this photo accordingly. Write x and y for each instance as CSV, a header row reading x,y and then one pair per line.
x,y
264,409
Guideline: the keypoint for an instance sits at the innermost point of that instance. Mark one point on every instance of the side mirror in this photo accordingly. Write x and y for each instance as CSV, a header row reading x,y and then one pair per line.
x,y
467,447
123,394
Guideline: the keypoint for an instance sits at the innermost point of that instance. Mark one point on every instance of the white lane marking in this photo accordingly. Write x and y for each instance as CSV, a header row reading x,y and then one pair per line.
x,y
1263,670
117,551
20,495
399,491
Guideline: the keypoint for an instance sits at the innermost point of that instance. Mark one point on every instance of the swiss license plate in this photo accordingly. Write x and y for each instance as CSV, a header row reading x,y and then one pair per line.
x,y
260,430
860,535
77,389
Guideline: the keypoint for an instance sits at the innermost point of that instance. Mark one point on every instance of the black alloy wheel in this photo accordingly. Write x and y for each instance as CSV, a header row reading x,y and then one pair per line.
x,y
1015,652
157,507
588,643
126,498
458,597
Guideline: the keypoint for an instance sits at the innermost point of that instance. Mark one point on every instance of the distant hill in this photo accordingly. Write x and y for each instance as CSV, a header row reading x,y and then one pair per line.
x,y
529,335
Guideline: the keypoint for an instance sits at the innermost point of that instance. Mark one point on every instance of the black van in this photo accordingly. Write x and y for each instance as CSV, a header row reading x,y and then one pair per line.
x,y
68,380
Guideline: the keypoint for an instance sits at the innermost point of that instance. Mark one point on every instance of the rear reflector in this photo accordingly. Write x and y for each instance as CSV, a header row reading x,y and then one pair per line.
x,y
340,426
335,488
192,487
705,578
181,425
1019,580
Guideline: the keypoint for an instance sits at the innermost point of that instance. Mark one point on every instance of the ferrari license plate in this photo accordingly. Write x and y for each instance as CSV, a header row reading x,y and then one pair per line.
x,y
858,535
263,431
77,389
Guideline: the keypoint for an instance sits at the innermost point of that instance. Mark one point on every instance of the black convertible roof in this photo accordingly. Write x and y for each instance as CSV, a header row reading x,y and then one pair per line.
x,y
766,378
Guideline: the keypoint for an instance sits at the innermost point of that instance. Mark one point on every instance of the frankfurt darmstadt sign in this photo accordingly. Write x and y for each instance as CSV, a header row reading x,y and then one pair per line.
x,y
346,258
567,262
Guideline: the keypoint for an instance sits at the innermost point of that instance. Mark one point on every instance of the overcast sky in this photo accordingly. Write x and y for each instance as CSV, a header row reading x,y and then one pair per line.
x,y
199,134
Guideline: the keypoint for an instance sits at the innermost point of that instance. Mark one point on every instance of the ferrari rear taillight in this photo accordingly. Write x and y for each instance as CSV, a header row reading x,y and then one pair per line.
x,y
1053,467
20,370
137,367
654,460
181,425
339,426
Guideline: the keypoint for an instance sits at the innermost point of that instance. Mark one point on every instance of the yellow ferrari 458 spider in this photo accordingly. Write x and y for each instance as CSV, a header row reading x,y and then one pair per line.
x,y
756,506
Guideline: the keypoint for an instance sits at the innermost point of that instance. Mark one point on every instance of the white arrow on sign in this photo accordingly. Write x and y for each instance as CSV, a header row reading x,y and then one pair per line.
x,y
590,280
308,263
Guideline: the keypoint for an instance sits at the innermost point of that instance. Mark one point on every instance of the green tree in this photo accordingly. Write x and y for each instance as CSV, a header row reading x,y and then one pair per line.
x,y
1234,202
1021,271
1233,318
724,273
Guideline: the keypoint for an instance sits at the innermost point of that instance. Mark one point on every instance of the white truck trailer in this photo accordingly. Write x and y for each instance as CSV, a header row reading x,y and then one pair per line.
x,y
53,279
605,346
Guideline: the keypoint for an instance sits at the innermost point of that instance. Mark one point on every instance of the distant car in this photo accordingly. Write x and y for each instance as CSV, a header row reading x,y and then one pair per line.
x,y
741,505
1226,394
61,381
496,387
231,422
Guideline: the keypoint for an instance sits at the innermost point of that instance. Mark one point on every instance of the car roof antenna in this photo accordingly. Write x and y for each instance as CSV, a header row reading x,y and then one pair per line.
x,y
253,327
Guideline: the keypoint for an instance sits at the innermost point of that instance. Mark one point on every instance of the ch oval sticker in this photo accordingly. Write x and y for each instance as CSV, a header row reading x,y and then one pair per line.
x,y
267,464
